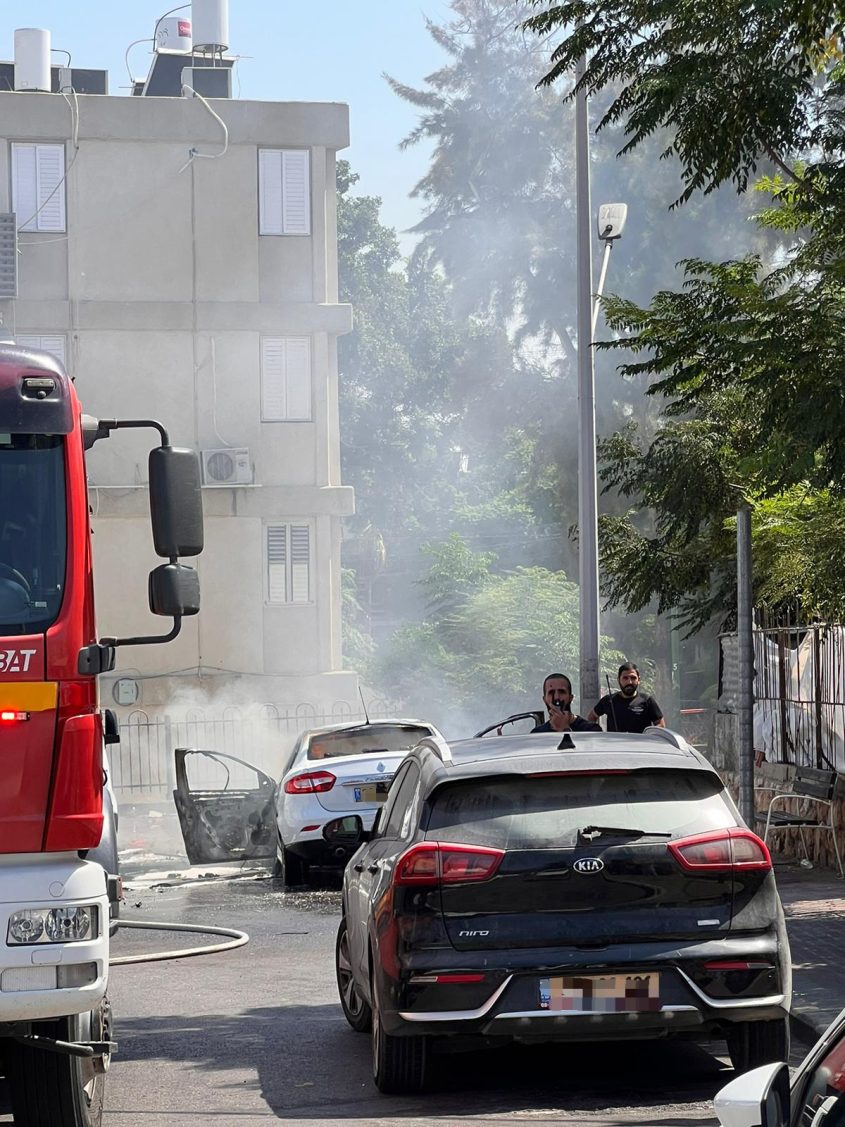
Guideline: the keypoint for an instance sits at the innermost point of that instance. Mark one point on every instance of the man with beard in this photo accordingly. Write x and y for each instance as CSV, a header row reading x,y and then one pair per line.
x,y
557,697
629,710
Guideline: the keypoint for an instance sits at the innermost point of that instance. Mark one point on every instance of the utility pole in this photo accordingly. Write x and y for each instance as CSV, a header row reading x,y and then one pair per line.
x,y
745,645
588,537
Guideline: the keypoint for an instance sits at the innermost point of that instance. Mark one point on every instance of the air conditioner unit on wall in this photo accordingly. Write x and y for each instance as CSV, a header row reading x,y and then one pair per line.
x,y
229,466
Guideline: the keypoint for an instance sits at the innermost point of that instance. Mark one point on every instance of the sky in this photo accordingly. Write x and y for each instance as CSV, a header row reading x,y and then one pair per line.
x,y
322,51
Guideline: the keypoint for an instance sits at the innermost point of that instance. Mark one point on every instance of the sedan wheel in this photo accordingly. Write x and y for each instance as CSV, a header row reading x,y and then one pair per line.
x,y
355,1009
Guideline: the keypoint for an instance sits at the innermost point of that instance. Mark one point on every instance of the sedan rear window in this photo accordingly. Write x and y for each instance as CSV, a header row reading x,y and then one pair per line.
x,y
548,812
372,739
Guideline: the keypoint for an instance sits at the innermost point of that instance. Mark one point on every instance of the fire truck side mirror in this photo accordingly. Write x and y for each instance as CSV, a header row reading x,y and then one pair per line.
x,y
174,590
175,504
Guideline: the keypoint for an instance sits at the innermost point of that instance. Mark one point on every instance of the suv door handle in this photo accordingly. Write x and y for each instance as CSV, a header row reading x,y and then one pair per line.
x,y
372,868
358,868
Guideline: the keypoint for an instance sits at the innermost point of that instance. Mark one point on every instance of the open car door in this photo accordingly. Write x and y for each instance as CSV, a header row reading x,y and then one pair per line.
x,y
518,724
226,807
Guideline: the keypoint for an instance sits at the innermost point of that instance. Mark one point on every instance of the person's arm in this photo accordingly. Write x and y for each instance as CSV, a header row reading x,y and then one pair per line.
x,y
599,710
655,714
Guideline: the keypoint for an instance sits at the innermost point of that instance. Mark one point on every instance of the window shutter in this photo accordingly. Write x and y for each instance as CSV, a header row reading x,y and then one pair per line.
x,y
54,344
285,379
277,563
24,186
51,191
296,192
38,186
289,563
273,378
270,192
300,557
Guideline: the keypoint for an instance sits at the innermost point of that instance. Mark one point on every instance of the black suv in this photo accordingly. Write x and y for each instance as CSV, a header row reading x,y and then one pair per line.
x,y
596,888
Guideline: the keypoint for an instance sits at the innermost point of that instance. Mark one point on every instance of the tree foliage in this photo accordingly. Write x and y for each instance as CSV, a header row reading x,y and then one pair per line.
x,y
488,640
747,356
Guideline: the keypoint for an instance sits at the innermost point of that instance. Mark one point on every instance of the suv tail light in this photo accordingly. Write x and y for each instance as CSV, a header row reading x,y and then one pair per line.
x,y
721,851
311,782
435,862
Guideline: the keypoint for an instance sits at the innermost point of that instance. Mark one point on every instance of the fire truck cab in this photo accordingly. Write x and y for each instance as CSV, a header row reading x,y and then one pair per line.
x,y
55,1021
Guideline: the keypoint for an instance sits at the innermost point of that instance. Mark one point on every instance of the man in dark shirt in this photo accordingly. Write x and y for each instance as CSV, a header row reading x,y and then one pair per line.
x,y
629,710
557,697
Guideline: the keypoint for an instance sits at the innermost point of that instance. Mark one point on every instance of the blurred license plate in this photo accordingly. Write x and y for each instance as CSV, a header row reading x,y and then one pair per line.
x,y
612,993
371,792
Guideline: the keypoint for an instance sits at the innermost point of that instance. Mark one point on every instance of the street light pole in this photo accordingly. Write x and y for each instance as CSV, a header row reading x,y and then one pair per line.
x,y
588,537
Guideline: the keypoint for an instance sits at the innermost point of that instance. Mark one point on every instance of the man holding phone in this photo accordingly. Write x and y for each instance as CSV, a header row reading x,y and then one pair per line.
x,y
557,697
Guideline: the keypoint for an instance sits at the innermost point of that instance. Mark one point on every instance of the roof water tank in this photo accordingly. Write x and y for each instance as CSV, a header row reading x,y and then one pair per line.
x,y
210,19
32,59
173,35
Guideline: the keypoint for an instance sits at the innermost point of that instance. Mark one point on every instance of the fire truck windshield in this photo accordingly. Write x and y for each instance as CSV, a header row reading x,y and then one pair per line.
x,y
33,531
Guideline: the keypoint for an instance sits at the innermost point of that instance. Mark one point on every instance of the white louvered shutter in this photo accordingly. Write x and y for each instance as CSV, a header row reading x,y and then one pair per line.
x,y
270,192
273,379
38,186
50,160
277,555
24,186
298,377
300,563
285,379
54,344
296,192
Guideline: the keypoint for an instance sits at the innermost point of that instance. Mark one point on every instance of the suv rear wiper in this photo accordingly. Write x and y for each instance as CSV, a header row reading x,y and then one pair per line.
x,y
626,831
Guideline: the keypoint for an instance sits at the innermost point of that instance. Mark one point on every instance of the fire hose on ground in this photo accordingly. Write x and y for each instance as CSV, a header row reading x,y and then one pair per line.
x,y
235,939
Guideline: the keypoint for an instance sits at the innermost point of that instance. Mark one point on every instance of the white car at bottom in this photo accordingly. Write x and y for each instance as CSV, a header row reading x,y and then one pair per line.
x,y
229,810
815,1097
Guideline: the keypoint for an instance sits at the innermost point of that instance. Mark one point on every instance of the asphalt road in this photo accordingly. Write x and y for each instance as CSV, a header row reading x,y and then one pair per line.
x,y
257,1035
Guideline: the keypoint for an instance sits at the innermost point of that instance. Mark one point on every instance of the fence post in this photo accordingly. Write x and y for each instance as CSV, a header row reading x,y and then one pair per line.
x,y
821,759
745,644
169,762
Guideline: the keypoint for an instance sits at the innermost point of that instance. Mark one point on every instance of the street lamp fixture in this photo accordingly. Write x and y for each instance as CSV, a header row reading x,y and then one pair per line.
x,y
611,224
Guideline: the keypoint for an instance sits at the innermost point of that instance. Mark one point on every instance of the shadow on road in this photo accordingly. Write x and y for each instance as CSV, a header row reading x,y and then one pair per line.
x,y
310,1065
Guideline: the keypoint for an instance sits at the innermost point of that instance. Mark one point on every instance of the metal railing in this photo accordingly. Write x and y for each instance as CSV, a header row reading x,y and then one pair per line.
x,y
799,690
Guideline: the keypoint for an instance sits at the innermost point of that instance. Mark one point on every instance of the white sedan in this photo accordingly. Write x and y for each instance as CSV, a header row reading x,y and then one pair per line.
x,y
229,810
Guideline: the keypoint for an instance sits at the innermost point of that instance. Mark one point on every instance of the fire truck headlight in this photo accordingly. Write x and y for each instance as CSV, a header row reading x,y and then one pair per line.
x,y
63,924
53,925
26,927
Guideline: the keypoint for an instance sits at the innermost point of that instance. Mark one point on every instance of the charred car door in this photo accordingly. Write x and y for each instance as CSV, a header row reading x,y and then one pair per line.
x,y
226,807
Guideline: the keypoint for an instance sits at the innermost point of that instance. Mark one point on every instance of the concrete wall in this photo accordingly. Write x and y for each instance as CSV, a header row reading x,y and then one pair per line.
x,y
164,289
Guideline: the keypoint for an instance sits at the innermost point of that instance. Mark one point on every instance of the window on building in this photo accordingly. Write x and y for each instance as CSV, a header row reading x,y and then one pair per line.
x,y
38,187
289,562
55,344
285,379
284,192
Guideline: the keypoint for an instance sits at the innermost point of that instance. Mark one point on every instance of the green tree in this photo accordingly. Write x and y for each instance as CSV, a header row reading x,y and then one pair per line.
x,y
489,639
746,356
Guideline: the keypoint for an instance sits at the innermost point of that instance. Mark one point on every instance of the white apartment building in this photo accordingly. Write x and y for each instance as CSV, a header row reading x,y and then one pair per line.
x,y
180,255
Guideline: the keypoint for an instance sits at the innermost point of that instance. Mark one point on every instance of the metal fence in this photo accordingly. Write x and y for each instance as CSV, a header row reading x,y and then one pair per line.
x,y
799,690
142,764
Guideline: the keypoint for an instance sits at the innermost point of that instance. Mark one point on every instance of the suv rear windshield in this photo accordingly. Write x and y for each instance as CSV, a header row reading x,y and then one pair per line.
x,y
374,739
547,813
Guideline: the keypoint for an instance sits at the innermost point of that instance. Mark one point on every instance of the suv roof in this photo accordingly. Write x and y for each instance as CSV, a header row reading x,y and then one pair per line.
x,y
540,752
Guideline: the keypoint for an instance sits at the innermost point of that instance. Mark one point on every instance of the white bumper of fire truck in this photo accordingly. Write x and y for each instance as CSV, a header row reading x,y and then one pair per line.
x,y
51,979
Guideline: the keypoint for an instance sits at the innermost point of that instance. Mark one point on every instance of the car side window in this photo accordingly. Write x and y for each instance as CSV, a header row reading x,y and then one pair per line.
x,y
396,823
386,811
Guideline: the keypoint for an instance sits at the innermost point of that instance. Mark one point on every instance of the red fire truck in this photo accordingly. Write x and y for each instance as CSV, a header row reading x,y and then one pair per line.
x,y
55,1022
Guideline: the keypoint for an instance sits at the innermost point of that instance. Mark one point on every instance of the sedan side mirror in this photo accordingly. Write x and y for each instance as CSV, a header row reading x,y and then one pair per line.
x,y
759,1098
